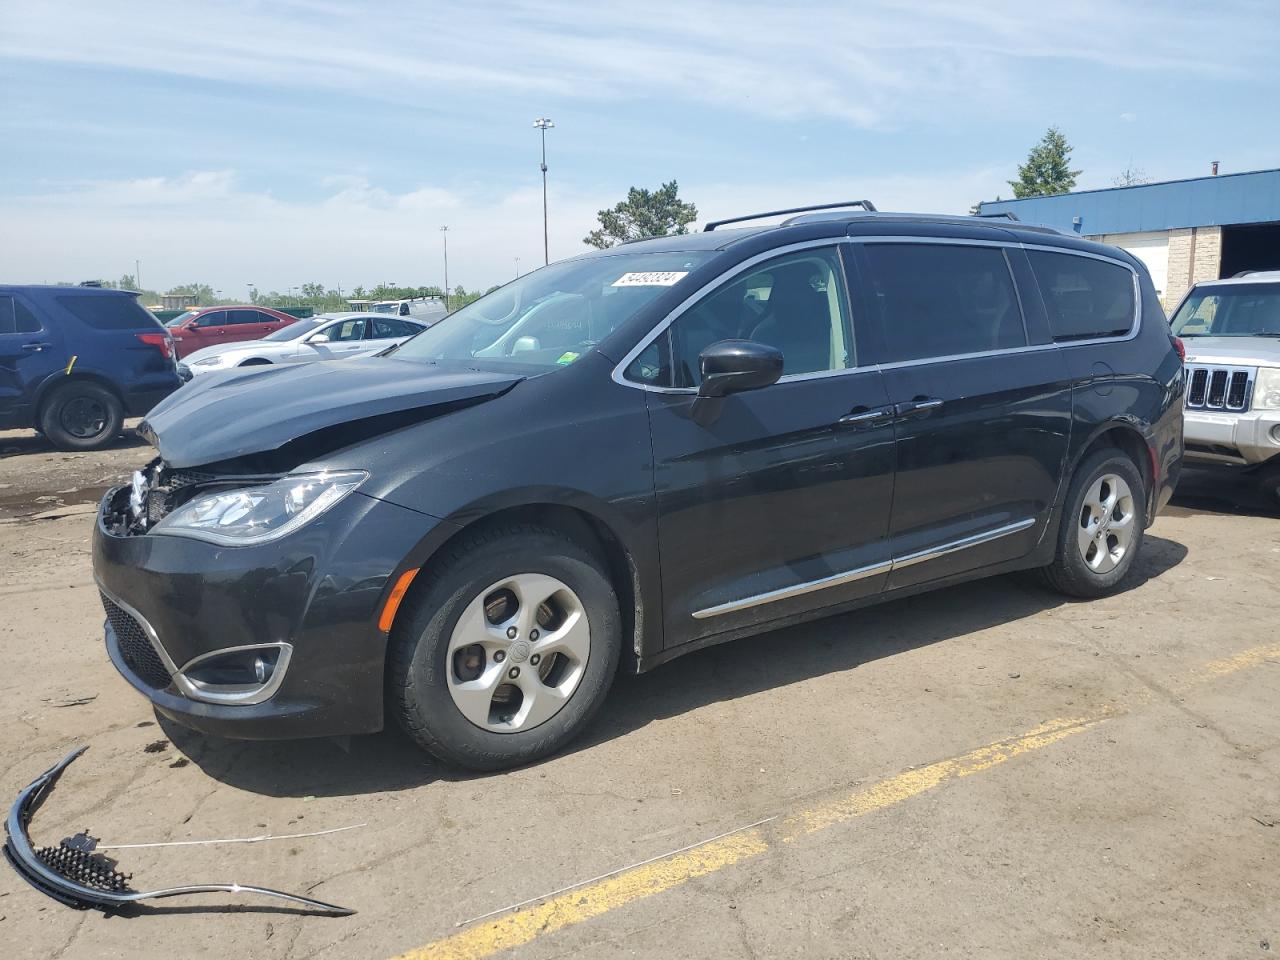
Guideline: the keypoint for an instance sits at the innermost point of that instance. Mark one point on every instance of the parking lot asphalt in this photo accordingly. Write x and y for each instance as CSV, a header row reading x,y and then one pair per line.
x,y
984,771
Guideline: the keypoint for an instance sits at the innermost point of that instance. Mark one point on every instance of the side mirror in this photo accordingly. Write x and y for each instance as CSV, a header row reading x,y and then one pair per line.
x,y
321,337
732,366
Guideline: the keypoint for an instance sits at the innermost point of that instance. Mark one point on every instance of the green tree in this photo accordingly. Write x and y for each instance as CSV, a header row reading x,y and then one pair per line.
x,y
657,213
201,291
1048,168
127,282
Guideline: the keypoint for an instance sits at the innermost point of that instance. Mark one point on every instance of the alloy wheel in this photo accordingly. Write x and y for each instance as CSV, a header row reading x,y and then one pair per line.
x,y
518,653
1106,525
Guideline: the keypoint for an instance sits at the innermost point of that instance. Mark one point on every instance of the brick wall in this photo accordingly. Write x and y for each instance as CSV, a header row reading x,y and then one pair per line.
x,y
1195,254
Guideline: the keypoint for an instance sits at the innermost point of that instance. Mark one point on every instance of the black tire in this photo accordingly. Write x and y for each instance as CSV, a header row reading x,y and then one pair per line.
x,y
1069,574
1269,484
418,661
81,415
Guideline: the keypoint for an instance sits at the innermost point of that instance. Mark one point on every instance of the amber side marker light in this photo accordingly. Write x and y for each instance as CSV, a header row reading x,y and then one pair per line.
x,y
393,602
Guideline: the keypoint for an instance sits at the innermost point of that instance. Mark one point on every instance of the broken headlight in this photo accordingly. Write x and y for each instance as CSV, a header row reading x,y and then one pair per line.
x,y
252,515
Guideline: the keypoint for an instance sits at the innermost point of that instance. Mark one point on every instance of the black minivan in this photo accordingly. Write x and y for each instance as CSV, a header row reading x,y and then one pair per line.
x,y
633,454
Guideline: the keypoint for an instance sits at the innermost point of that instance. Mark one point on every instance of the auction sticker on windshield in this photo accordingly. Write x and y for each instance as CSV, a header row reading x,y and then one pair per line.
x,y
666,278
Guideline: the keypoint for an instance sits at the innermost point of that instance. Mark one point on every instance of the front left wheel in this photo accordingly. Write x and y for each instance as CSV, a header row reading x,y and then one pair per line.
x,y
506,649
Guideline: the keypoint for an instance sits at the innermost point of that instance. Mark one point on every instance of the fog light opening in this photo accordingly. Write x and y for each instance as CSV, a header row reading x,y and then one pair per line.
x,y
239,675
1275,433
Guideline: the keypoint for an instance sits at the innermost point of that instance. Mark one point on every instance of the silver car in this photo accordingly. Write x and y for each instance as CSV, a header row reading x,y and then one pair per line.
x,y
1231,330
328,336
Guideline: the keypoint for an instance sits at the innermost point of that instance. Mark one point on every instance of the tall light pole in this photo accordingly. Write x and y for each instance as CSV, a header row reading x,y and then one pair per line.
x,y
544,124
517,259
444,235
252,298
137,274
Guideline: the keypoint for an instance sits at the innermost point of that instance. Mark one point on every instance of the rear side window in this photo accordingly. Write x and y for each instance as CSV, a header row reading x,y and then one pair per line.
x,y
108,312
244,316
16,318
940,300
386,328
1086,298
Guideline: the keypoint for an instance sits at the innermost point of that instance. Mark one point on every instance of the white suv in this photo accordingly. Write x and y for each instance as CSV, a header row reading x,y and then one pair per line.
x,y
1231,329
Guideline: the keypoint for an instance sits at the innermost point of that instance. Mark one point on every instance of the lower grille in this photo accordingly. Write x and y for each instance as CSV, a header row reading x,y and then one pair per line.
x,y
135,646
1219,388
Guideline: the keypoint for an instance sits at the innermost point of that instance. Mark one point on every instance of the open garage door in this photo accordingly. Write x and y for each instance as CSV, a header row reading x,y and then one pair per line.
x,y
1153,250
1252,247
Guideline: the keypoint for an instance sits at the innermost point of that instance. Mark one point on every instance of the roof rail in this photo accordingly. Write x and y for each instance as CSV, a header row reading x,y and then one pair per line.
x,y
1003,214
866,205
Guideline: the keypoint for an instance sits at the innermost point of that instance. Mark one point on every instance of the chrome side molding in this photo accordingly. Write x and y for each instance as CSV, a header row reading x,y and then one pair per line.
x,y
859,573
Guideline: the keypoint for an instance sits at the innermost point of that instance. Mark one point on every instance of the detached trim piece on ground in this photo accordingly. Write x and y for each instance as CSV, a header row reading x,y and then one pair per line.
x,y
73,874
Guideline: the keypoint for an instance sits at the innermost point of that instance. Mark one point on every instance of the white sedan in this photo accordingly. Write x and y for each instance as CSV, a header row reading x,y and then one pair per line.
x,y
328,336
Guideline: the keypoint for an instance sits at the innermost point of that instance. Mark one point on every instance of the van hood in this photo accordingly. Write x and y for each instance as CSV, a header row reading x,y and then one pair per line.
x,y
252,410
1247,351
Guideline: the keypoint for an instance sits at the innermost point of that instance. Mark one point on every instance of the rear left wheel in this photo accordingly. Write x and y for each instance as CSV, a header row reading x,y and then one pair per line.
x,y
81,415
1102,528
506,650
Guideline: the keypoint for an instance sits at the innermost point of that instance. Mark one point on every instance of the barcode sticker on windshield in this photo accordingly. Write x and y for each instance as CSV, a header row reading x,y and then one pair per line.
x,y
667,278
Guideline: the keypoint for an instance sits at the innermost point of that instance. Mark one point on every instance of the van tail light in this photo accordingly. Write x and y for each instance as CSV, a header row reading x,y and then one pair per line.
x,y
1181,348
161,341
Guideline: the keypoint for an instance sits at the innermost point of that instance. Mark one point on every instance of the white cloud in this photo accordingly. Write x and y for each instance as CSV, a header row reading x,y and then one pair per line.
x,y
205,226
869,63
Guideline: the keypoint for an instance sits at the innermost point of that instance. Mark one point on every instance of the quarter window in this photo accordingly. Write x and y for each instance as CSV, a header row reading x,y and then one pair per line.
x,y
1085,297
795,303
108,311
385,328
936,300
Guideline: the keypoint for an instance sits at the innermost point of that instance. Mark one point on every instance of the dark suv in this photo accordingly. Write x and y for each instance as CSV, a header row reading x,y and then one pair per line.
x,y
633,454
75,361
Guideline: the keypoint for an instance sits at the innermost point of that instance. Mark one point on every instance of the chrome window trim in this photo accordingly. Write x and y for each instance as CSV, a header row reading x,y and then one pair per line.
x,y
618,375
724,278
859,573
1134,329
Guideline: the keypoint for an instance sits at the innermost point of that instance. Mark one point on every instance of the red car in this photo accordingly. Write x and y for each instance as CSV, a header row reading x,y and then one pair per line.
x,y
209,325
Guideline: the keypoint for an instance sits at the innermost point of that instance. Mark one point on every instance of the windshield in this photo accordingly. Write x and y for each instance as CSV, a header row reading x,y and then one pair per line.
x,y
384,307
180,318
293,331
552,316
1230,310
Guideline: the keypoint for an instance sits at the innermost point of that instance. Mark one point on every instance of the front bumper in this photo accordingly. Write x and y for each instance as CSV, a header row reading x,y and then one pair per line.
x,y
173,600
1243,439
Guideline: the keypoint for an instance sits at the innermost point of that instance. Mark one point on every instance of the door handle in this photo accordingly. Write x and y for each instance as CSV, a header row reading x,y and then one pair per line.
x,y
861,417
919,407
36,347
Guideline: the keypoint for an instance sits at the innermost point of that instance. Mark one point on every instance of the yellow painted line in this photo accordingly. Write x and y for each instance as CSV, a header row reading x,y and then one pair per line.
x,y
494,936
594,899
71,363
904,786
1241,661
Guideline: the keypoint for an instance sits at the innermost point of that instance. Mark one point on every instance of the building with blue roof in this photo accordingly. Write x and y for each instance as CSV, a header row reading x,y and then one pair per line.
x,y
1185,231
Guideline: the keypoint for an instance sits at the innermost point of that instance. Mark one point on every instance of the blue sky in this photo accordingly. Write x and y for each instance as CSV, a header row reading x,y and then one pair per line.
x,y
285,142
